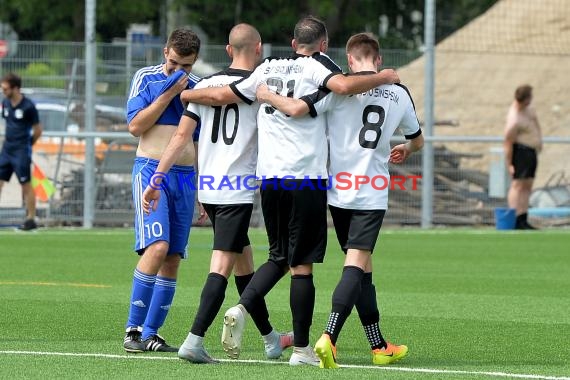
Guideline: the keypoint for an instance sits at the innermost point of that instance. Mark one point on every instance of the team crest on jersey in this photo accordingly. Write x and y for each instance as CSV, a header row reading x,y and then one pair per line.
x,y
18,113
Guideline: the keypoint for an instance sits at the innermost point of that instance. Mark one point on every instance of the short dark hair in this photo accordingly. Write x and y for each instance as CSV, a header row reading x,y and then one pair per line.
x,y
363,45
523,93
309,30
184,42
13,80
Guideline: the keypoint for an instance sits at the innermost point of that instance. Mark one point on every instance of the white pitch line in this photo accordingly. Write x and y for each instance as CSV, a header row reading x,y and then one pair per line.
x,y
401,369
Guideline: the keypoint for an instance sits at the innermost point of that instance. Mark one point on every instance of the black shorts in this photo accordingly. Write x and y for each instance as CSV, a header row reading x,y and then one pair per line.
x,y
296,220
524,161
230,223
17,161
357,229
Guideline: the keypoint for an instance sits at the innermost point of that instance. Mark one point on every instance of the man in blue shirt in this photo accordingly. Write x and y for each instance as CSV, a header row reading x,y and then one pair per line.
x,y
23,129
154,109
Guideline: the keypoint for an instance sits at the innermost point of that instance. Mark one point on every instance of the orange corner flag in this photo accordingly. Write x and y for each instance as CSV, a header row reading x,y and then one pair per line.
x,y
43,187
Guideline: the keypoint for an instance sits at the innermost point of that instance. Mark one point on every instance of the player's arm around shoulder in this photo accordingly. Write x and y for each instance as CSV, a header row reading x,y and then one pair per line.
x,y
355,84
211,96
289,106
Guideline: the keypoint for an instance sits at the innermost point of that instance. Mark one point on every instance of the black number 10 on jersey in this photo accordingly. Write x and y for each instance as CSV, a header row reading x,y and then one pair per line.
x,y
228,140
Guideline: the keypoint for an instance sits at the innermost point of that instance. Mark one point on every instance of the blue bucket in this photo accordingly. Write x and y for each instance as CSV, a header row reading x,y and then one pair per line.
x,y
505,218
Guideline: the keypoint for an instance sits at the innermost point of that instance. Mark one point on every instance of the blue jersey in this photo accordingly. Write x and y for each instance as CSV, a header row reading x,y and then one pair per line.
x,y
171,220
19,122
148,84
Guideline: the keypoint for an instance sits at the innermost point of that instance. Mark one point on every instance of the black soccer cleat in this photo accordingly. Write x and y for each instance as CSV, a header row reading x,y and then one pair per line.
x,y
28,225
133,342
158,344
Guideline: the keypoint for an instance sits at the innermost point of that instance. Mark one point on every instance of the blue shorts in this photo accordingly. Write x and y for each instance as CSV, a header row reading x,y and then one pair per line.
x,y
172,219
17,160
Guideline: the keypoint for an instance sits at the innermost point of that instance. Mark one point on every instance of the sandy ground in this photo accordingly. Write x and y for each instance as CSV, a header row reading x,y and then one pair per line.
x,y
479,67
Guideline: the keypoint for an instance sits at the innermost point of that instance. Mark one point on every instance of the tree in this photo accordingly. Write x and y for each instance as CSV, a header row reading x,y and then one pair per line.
x,y
275,19
65,20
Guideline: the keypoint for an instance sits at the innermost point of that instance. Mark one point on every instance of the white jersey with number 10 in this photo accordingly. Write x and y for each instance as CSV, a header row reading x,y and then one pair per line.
x,y
227,147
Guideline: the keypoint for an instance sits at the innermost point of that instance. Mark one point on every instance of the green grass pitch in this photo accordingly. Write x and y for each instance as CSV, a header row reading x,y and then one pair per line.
x,y
469,304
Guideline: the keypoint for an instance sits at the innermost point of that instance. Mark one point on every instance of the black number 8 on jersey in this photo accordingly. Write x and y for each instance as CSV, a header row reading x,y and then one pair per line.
x,y
376,127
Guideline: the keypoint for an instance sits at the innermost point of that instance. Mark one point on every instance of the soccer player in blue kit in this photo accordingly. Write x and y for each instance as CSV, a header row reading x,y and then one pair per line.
x,y
154,109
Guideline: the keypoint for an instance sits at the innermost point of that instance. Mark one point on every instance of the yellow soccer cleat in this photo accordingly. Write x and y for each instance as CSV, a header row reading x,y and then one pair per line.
x,y
389,355
326,352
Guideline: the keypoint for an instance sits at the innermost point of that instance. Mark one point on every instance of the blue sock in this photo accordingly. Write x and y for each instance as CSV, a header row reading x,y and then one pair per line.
x,y
143,285
162,296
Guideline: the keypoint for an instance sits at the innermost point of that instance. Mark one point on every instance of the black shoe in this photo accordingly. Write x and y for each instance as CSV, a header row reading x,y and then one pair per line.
x,y
524,226
158,344
132,341
28,225
529,226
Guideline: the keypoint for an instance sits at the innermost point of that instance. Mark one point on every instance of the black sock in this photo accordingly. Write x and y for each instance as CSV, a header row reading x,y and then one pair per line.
x,y
368,313
211,299
344,296
302,301
259,313
263,280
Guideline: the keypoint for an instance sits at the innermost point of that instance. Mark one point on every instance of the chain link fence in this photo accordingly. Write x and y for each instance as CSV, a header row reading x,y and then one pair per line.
x,y
470,178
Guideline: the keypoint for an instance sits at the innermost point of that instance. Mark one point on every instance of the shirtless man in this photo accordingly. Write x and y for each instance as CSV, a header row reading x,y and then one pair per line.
x,y
523,142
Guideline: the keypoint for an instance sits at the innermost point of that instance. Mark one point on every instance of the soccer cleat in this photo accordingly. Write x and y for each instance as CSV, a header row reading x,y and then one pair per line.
x,y
158,344
132,341
196,354
524,226
234,323
28,225
304,356
390,354
275,343
326,352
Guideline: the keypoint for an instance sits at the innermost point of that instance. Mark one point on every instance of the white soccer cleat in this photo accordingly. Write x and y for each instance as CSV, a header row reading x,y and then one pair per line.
x,y
275,343
234,324
304,356
193,351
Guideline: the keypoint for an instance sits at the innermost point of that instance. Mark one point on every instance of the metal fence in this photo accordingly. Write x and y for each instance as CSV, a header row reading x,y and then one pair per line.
x,y
469,174
470,182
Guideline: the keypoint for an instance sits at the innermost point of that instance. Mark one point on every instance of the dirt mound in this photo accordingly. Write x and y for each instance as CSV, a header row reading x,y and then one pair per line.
x,y
479,67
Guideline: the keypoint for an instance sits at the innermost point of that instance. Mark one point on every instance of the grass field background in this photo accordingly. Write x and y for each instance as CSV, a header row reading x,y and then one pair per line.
x,y
469,304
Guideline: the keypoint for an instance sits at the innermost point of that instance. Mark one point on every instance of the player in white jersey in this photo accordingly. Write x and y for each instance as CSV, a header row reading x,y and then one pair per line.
x,y
292,170
227,156
360,128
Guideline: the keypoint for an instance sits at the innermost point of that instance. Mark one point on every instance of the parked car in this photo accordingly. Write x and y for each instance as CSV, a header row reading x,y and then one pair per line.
x,y
53,105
